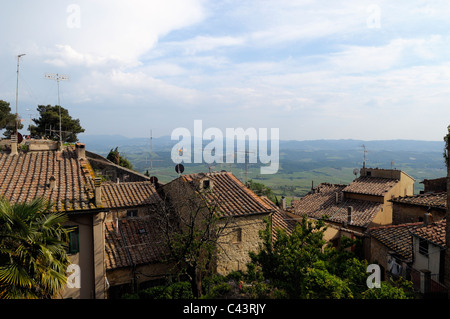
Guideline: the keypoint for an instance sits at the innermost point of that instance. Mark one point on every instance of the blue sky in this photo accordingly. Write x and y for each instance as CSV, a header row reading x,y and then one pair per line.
x,y
314,69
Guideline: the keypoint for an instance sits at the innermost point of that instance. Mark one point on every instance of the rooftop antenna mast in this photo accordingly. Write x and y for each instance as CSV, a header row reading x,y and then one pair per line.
x,y
151,150
365,152
58,77
17,95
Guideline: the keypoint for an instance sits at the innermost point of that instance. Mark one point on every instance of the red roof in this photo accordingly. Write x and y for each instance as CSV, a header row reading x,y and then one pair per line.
x,y
132,242
232,196
26,175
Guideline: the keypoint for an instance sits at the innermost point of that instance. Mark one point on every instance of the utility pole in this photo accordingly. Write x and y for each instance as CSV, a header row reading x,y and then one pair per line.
x,y
58,77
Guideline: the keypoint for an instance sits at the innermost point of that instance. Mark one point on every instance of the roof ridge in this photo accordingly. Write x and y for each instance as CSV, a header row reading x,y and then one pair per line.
x,y
396,225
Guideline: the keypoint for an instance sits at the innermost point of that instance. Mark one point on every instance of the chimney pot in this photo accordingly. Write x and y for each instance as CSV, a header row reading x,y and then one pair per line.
x,y
283,202
52,182
81,150
98,191
13,144
349,214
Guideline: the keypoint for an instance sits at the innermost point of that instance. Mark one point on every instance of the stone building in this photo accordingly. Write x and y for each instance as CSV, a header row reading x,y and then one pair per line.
x,y
410,209
350,210
64,177
242,213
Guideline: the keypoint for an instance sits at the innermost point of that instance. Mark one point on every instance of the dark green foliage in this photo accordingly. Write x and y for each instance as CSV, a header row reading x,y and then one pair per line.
x,y
301,266
49,119
7,119
446,140
178,290
33,244
261,190
115,157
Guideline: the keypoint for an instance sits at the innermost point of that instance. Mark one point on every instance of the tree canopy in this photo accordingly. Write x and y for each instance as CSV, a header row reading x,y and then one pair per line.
x,y
304,267
115,157
8,119
48,124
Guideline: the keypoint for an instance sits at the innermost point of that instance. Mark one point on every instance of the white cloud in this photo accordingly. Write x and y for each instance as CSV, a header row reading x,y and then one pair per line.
x,y
98,31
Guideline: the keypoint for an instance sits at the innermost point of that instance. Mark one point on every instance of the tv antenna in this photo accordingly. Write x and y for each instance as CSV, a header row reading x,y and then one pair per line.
x,y
17,94
58,77
247,152
151,153
365,152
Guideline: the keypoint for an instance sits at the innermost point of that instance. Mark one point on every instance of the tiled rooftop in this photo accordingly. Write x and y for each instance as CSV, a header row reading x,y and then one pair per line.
x,y
371,185
280,220
26,176
436,200
396,237
232,196
129,194
322,203
134,242
434,232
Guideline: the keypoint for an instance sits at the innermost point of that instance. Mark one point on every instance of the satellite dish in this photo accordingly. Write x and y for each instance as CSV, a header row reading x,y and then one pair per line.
x,y
154,179
19,138
355,171
179,168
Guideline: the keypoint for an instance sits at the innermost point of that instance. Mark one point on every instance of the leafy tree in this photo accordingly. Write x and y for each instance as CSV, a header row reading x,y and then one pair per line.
x,y
115,157
8,119
446,140
190,224
261,190
400,290
303,266
49,119
33,243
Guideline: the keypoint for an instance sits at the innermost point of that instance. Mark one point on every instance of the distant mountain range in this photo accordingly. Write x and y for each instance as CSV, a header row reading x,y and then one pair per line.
x,y
301,162
104,143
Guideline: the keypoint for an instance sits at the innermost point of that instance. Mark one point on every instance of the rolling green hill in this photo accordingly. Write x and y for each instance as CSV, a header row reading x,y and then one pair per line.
x,y
302,163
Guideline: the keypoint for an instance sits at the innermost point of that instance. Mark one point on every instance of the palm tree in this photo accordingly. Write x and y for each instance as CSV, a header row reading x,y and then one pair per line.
x,y
33,244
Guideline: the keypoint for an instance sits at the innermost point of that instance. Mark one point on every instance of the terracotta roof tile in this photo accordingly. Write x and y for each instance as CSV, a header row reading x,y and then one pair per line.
x,y
434,232
128,194
396,237
436,200
232,196
25,176
371,185
322,203
280,220
132,242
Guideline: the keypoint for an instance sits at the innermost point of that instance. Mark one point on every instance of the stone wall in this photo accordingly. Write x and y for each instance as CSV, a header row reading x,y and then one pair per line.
x,y
240,237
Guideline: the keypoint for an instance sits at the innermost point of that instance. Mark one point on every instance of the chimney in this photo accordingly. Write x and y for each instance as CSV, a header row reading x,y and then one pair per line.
x,y
98,191
13,144
80,149
427,219
337,198
349,214
283,202
52,182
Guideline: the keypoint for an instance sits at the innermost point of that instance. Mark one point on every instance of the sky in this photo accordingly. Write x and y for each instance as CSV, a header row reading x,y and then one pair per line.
x,y
360,69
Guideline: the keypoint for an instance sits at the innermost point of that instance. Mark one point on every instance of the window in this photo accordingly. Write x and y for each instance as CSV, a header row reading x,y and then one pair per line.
x,y
74,242
423,246
238,235
132,213
206,184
